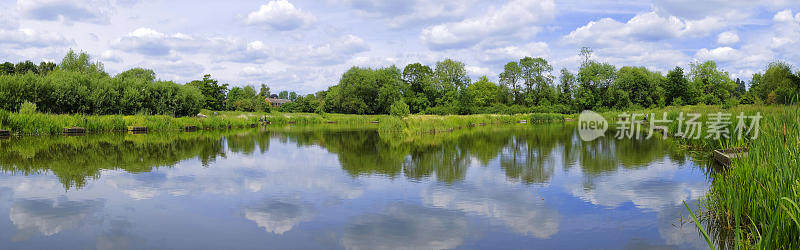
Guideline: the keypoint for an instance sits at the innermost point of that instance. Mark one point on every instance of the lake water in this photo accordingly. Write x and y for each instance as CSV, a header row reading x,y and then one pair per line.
x,y
514,187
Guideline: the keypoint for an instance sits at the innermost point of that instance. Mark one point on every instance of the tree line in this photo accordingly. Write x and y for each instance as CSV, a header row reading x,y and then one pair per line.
x,y
531,85
79,85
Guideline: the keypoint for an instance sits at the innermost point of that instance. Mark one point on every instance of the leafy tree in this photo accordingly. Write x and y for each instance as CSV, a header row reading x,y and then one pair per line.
x,y
213,92
595,79
566,87
81,63
421,93
146,75
292,96
25,67
264,91
512,73
777,80
715,85
484,92
399,108
46,67
676,86
7,68
283,94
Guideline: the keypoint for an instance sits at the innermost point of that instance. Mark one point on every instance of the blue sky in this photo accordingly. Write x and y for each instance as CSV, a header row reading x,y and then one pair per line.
x,y
306,45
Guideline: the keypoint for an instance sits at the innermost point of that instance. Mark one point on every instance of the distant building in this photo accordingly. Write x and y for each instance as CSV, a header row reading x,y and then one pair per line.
x,y
276,102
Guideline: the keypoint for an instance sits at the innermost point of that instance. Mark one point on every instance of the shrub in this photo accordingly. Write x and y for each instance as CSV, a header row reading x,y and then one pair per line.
x,y
399,108
27,108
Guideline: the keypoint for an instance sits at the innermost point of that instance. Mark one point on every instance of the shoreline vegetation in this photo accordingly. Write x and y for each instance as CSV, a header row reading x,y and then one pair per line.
x,y
752,204
51,124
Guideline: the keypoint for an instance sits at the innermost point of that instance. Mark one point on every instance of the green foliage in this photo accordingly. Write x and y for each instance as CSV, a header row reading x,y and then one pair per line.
x,y
27,108
70,92
399,108
213,92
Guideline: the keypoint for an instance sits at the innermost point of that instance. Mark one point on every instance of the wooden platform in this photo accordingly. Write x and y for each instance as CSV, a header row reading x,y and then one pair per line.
x,y
190,128
724,156
4,133
74,130
522,121
374,122
136,129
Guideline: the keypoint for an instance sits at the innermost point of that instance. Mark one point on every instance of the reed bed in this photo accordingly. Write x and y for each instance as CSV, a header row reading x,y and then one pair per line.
x,y
50,124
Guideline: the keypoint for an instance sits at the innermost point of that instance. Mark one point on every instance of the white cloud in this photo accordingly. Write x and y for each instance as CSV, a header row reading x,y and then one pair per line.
x,y
422,228
513,17
514,52
278,217
402,13
27,38
150,42
90,11
727,38
648,27
280,15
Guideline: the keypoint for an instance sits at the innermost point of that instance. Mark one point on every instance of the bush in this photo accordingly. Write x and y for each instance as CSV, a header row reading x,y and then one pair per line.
x,y
399,108
27,108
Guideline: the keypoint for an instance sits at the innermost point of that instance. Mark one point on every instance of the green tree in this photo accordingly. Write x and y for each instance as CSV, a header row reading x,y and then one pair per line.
x,y
777,78
484,92
537,78
264,91
7,68
213,92
714,84
512,73
677,86
567,87
81,63
25,67
283,94
46,67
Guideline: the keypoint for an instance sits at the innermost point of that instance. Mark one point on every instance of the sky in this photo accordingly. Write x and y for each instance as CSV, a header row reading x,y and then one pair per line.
x,y
305,45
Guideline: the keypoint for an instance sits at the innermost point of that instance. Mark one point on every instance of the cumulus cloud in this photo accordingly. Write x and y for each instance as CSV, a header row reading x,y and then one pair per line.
x,y
513,17
402,13
28,38
648,27
515,52
727,38
150,42
280,15
91,11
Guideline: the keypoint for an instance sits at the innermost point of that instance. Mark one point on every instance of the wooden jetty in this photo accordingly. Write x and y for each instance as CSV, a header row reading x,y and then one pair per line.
x,y
74,131
374,122
567,119
190,128
331,122
292,122
137,129
522,121
724,156
4,133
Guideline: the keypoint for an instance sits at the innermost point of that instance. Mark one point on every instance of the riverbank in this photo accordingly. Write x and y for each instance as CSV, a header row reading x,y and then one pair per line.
x,y
50,124
753,202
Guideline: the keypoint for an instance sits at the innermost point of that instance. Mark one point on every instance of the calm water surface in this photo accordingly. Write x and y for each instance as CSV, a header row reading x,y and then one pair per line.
x,y
516,187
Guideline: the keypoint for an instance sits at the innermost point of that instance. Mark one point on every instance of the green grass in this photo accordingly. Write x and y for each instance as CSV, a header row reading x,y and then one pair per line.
x,y
751,204
49,124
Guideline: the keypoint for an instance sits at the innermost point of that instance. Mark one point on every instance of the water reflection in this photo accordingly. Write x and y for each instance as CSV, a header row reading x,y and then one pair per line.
x,y
401,226
327,187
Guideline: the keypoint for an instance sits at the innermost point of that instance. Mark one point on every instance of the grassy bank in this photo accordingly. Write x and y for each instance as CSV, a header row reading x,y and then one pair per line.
x,y
753,203
45,124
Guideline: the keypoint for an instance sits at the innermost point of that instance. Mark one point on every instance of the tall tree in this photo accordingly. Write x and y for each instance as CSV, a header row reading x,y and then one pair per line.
x,y
566,87
7,68
676,88
25,67
510,77
213,92
264,91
